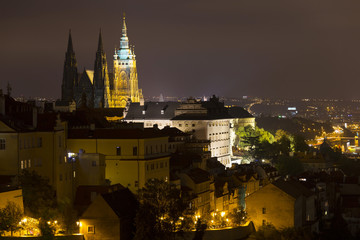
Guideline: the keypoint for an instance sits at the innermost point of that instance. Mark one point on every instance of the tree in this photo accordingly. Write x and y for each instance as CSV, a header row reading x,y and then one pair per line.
x,y
10,216
39,196
300,144
288,165
162,211
238,217
68,216
39,200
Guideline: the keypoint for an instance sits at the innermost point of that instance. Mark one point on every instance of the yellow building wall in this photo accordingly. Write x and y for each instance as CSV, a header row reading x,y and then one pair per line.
x,y
12,196
102,218
9,155
134,173
279,207
128,169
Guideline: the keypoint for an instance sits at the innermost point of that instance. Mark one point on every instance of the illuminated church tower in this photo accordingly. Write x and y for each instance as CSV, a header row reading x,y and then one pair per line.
x,y
97,88
125,74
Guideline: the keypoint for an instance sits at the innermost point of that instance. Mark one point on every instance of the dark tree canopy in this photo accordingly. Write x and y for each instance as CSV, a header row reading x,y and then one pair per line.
x,y
162,211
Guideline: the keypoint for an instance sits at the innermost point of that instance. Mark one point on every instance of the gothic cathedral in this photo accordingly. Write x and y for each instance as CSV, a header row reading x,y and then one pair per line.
x,y
99,88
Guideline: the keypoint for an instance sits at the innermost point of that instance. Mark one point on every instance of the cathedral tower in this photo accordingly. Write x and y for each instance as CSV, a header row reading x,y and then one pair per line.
x,y
101,77
125,73
70,74
98,88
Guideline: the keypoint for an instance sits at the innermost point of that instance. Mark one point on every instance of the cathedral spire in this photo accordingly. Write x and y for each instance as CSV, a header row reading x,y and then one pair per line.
x,y
70,45
124,28
70,76
100,44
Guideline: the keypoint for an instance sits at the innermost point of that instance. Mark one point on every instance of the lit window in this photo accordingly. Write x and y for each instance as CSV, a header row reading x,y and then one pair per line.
x,y
74,174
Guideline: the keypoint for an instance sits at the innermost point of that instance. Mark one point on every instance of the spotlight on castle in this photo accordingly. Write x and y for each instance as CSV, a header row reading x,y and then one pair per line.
x,y
100,88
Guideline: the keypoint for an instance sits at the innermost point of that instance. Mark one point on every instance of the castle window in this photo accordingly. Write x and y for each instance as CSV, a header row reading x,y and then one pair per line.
x,y
2,143
118,151
264,210
135,151
143,112
90,229
162,111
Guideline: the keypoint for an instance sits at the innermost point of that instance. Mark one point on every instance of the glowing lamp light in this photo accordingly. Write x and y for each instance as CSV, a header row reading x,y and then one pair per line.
x,y
49,222
222,214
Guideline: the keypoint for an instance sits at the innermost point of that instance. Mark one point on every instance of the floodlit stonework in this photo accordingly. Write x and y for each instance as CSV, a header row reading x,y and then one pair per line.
x,y
98,88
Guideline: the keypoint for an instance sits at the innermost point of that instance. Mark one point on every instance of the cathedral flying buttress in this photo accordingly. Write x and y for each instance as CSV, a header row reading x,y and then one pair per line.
x,y
99,88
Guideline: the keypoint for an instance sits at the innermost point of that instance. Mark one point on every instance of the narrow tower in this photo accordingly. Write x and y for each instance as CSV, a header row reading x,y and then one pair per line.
x,y
70,74
101,78
125,73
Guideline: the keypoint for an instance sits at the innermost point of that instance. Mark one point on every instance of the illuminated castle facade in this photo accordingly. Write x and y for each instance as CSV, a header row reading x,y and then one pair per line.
x,y
99,88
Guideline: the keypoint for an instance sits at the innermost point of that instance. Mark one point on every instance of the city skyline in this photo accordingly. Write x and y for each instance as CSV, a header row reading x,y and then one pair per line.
x,y
281,48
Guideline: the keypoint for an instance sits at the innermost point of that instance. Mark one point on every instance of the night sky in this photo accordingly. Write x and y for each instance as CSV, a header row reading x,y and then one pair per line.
x,y
279,48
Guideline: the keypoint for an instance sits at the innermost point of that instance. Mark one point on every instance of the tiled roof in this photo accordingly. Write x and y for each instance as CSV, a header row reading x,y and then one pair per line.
x,y
153,110
122,202
198,175
292,188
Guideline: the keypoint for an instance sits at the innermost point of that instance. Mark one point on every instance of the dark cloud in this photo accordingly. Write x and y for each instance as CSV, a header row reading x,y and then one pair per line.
x,y
193,47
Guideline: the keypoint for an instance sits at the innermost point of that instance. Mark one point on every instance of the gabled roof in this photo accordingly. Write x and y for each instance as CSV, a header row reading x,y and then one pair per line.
x,y
198,175
122,202
152,110
292,188
83,193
